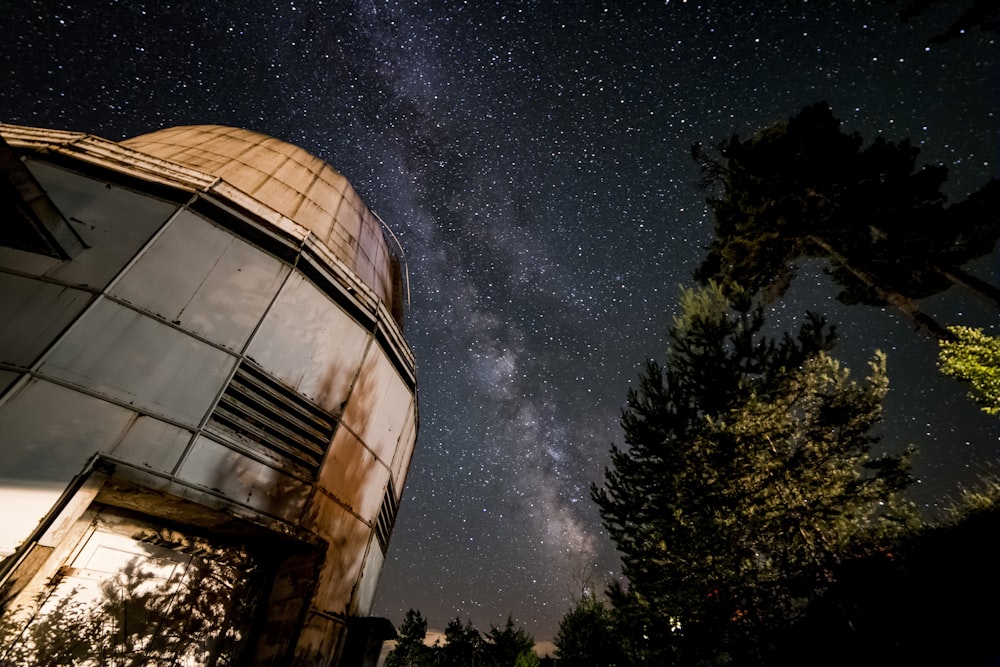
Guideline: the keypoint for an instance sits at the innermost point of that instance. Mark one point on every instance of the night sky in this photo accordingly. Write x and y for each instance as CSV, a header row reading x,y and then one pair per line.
x,y
533,158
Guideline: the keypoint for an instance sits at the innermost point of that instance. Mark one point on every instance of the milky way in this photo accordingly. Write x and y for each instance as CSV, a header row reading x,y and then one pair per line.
x,y
533,158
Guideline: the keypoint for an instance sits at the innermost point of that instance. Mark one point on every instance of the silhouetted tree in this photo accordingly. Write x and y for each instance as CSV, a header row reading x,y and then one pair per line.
x,y
410,650
463,645
803,188
924,602
587,636
747,478
981,15
510,646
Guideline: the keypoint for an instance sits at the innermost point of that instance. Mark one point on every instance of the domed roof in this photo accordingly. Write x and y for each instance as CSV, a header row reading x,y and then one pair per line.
x,y
285,177
289,180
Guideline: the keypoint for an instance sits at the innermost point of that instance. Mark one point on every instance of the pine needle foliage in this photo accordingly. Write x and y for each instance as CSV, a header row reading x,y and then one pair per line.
x,y
974,357
746,479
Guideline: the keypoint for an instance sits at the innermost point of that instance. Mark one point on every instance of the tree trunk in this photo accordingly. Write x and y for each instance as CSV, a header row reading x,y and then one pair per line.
x,y
977,286
901,303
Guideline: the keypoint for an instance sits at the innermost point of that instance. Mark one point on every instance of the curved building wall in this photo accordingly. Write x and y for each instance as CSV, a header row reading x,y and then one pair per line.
x,y
205,363
290,181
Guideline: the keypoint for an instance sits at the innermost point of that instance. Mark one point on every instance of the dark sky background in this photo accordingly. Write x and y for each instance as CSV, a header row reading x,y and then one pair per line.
x,y
533,158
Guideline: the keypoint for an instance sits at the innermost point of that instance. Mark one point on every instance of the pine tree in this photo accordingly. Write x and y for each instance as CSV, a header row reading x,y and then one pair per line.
x,y
410,650
463,645
974,357
587,637
746,479
510,646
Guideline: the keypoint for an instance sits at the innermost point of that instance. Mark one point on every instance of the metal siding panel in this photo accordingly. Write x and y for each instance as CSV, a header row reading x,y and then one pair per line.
x,y
244,480
365,595
153,444
348,538
378,407
311,344
404,450
32,314
352,474
47,432
140,361
113,222
204,279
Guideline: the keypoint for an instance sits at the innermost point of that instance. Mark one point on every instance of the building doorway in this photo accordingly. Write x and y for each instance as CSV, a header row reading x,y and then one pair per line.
x,y
131,592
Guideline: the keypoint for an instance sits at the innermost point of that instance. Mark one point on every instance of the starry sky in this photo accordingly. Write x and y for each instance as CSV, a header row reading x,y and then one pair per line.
x,y
533,158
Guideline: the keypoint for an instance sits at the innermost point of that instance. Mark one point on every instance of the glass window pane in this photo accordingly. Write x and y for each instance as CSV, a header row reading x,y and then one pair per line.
x,y
126,601
310,344
140,361
32,314
204,279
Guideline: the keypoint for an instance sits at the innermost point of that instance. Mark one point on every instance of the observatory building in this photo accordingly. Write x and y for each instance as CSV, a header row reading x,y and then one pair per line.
x,y
207,406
